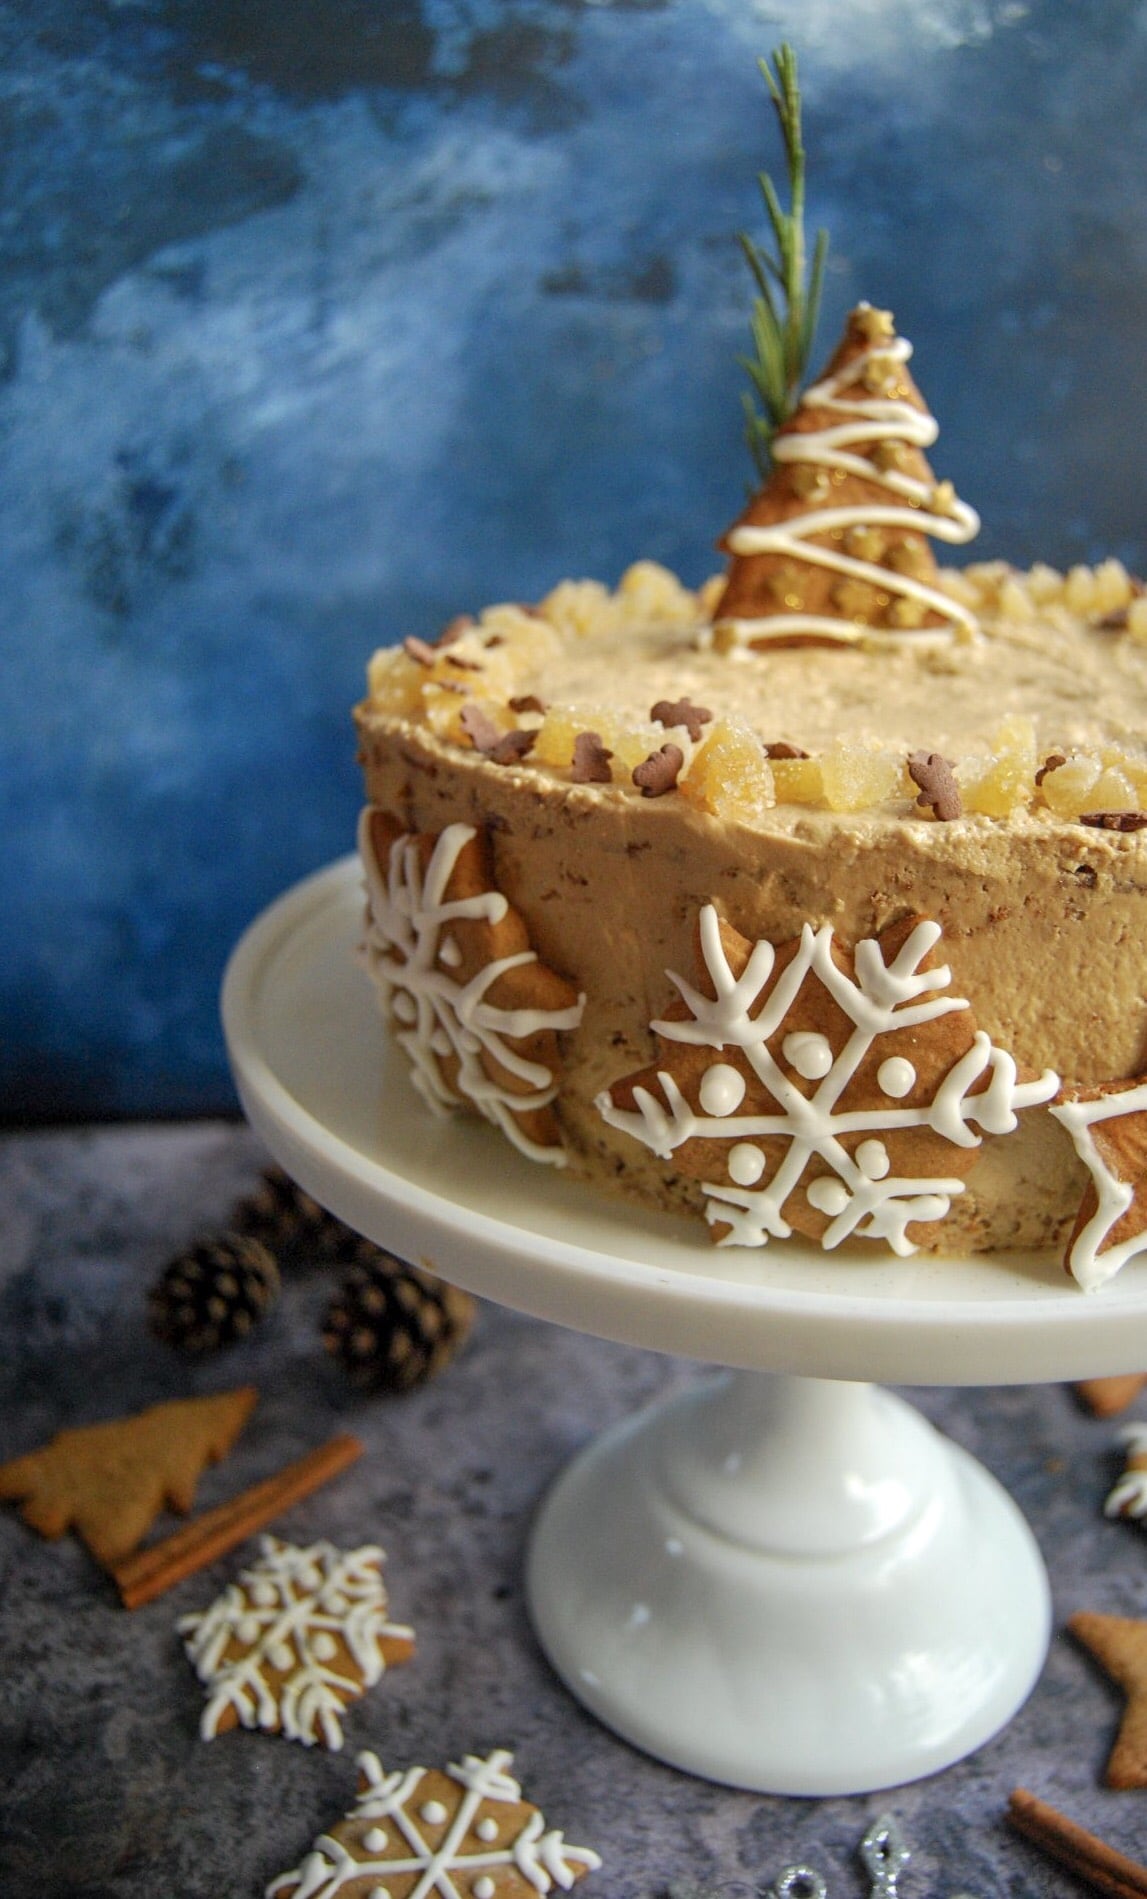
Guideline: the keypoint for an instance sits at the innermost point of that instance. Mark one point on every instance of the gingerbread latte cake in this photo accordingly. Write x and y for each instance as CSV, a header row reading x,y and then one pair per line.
x,y
810,903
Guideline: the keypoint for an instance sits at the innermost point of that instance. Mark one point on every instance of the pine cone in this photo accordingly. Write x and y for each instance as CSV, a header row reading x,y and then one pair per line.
x,y
213,1294
393,1326
289,1222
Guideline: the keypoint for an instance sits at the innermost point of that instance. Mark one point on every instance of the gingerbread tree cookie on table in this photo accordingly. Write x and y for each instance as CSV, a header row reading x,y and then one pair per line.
x,y
109,1481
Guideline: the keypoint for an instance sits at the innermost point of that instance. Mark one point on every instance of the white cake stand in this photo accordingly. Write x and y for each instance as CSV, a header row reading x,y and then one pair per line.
x,y
783,1579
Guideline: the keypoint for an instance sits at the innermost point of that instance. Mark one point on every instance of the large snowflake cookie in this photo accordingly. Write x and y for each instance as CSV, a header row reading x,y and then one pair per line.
x,y
819,1090
461,1832
476,1011
1108,1125
303,1632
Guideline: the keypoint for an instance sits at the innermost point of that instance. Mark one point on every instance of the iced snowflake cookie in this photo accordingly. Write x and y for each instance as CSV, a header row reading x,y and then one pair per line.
x,y
460,1832
1108,1125
475,1010
822,1091
302,1632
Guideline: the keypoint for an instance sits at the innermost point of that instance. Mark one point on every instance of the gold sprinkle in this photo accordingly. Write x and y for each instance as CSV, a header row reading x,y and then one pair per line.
x,y
875,326
854,599
881,375
906,613
908,557
784,585
809,481
866,543
943,498
889,455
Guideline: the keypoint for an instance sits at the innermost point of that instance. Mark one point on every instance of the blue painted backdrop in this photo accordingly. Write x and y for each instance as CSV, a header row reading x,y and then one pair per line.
x,y
322,322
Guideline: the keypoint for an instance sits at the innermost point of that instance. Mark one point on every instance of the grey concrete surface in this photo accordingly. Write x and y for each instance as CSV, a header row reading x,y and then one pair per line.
x,y
108,1793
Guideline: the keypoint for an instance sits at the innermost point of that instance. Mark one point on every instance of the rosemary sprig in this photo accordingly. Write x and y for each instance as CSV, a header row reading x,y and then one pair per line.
x,y
785,308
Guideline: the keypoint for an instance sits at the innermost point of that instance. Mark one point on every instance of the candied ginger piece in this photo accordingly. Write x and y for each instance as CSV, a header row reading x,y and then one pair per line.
x,y
797,780
648,591
1114,791
1067,789
1014,599
632,746
579,607
995,786
1137,618
1045,584
559,728
729,774
1134,768
1112,586
1079,590
393,682
854,778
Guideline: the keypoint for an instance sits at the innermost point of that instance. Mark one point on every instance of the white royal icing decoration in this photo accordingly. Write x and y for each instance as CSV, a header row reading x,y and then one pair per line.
x,y
897,1077
860,1195
722,1089
1090,1265
451,1868
286,1612
746,1164
404,951
868,419
809,1053
1129,1497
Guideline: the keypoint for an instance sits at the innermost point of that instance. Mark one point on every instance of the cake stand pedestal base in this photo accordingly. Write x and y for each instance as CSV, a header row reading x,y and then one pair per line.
x,y
790,1585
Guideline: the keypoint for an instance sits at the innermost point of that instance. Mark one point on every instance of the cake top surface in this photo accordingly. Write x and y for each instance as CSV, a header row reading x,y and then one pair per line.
x,y
1044,709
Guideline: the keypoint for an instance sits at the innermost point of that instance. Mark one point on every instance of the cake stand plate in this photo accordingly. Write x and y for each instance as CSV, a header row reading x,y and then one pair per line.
x,y
782,1578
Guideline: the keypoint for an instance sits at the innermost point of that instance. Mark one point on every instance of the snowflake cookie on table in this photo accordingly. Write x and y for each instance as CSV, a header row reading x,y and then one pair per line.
x,y
303,1632
476,1011
459,1832
820,1090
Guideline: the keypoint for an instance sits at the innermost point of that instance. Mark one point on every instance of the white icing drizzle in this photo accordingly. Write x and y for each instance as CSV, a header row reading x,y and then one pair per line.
x,y
542,1859
861,1195
286,1611
864,419
1128,1498
409,959
1090,1262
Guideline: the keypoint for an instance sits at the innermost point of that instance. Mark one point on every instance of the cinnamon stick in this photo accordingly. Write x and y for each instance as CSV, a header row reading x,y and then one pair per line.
x,y
149,1572
1070,1845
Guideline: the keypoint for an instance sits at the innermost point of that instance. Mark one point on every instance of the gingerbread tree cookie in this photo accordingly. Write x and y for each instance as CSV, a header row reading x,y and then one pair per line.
x,y
109,1481
476,1011
460,1832
1119,1645
818,1090
302,1633
1108,1125
834,547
